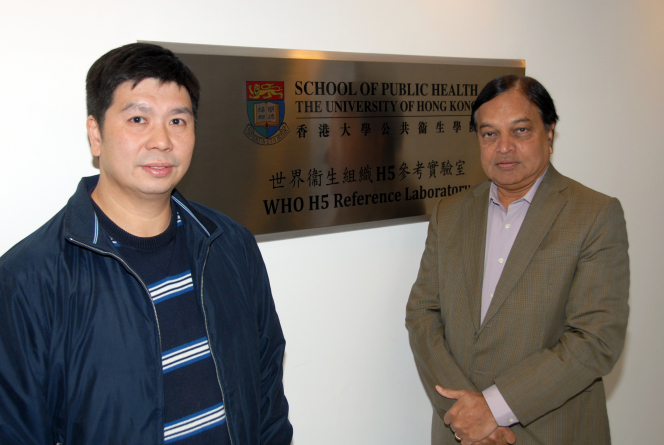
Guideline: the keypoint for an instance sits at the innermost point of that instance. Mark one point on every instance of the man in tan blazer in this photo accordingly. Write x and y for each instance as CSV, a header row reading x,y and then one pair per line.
x,y
520,304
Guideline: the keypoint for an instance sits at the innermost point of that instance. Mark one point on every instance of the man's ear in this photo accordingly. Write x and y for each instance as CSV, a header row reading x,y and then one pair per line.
x,y
94,135
551,133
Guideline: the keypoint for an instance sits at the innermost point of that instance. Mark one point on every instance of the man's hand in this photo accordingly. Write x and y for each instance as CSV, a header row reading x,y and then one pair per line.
x,y
502,435
470,417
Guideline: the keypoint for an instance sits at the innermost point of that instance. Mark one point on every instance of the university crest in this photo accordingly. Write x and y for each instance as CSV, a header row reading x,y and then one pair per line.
x,y
266,108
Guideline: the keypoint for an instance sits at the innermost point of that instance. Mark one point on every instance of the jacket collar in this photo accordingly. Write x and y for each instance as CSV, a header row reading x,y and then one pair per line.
x,y
81,223
198,219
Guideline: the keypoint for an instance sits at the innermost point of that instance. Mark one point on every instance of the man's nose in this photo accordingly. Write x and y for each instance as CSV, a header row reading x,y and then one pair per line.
x,y
160,138
505,143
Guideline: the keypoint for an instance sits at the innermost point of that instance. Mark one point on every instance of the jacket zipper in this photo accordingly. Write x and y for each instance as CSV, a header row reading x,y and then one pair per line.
x,y
104,252
214,360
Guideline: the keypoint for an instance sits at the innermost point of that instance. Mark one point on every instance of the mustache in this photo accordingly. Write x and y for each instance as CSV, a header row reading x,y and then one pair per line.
x,y
162,159
508,159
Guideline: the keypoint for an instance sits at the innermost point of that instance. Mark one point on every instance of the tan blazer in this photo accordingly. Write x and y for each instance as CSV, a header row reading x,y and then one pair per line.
x,y
557,320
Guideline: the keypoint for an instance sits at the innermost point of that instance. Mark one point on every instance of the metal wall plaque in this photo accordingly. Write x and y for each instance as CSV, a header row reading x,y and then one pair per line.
x,y
291,140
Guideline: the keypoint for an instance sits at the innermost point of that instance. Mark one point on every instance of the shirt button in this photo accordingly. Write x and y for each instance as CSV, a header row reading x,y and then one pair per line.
x,y
500,260
507,226
512,420
491,296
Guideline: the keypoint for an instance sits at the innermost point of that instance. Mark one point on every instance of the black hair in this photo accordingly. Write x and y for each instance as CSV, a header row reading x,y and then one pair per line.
x,y
133,63
531,88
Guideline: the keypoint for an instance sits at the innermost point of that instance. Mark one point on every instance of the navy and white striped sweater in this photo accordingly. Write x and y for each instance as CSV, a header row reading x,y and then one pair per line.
x,y
193,404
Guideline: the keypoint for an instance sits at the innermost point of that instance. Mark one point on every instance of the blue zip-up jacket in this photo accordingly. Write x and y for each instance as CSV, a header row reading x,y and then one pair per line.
x,y
80,354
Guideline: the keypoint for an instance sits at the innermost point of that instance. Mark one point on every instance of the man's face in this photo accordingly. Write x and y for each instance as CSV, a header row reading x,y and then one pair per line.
x,y
515,147
147,141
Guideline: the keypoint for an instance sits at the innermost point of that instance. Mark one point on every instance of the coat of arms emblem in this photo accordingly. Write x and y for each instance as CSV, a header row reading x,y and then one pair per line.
x,y
266,109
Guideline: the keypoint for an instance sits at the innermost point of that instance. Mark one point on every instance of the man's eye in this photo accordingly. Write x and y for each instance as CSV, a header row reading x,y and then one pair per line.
x,y
137,119
177,121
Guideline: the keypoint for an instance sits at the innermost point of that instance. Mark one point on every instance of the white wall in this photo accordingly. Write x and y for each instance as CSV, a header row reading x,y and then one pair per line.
x,y
349,373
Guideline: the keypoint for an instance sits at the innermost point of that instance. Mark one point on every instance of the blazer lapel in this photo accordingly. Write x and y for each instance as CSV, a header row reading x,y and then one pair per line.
x,y
544,209
473,252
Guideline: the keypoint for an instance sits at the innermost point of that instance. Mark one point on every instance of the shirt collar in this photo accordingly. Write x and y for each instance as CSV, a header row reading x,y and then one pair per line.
x,y
493,193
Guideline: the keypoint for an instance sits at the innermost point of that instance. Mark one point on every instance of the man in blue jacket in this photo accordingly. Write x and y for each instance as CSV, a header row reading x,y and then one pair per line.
x,y
134,316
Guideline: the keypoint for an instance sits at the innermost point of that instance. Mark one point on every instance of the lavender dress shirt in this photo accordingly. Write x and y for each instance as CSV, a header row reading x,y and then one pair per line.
x,y
502,227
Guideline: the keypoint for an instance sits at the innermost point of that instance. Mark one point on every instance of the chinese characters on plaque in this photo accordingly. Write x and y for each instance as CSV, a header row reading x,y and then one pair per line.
x,y
288,143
